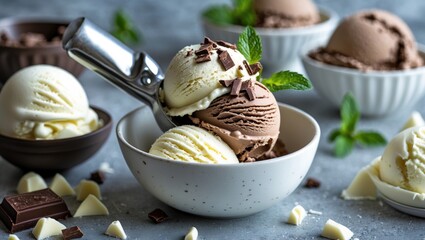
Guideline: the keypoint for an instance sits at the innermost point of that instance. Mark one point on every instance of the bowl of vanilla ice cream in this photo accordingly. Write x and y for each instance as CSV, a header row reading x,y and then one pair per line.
x,y
46,123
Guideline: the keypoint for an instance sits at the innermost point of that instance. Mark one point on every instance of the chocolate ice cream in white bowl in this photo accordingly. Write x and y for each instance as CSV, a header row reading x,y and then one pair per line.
x,y
372,54
285,26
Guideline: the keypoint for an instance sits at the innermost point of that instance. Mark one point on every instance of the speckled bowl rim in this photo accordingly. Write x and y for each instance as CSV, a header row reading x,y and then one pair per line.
x,y
332,19
291,155
45,142
351,71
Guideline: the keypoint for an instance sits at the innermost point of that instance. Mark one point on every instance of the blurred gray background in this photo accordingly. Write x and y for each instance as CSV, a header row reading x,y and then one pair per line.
x,y
178,20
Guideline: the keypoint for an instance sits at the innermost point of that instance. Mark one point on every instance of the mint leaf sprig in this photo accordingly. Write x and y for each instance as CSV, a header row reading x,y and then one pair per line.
x,y
346,136
249,45
241,13
124,30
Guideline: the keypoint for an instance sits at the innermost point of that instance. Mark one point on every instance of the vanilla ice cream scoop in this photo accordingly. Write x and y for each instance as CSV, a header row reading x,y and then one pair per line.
x,y
45,102
191,84
193,144
403,161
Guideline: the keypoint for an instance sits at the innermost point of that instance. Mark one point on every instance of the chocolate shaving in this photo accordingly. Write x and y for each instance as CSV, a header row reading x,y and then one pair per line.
x,y
98,177
203,58
72,233
312,183
204,49
247,67
255,68
251,93
236,87
158,216
225,60
226,44
226,83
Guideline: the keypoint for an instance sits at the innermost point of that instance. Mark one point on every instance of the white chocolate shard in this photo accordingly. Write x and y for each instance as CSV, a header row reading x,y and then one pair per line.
x,y
61,186
192,234
47,227
334,230
415,120
91,206
297,215
30,182
361,187
12,237
87,187
115,229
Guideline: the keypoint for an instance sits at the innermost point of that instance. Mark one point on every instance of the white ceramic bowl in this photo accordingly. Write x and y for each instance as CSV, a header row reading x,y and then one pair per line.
x,y
377,93
231,190
281,46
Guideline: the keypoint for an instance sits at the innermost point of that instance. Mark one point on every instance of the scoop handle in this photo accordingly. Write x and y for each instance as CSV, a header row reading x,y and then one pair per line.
x,y
134,72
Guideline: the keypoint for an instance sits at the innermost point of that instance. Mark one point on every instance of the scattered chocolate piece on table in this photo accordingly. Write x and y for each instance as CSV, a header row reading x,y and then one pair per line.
x,y
98,177
22,211
312,183
158,216
72,233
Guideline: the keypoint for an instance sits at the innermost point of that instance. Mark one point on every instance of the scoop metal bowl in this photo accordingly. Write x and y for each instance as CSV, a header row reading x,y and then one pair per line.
x,y
134,72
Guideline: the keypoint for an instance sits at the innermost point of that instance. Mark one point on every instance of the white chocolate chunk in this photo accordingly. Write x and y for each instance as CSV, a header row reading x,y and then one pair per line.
x,y
12,237
192,234
115,230
91,206
334,230
297,215
361,187
31,182
87,187
60,186
415,120
47,227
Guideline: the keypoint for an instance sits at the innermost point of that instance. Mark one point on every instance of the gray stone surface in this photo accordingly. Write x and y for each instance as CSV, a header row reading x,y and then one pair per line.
x,y
167,26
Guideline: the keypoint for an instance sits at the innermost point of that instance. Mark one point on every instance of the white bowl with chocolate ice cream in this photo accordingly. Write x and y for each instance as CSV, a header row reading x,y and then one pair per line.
x,y
285,27
372,54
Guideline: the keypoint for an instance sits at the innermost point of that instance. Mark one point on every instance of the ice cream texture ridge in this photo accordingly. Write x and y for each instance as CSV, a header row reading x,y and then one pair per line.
x,y
371,40
45,102
213,87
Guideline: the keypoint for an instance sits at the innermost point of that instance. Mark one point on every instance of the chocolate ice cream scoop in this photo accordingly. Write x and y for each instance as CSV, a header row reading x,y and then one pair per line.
x,y
248,121
371,40
285,13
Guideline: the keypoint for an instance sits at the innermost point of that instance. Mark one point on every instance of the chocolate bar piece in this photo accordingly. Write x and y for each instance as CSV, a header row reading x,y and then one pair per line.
x,y
22,211
158,216
72,233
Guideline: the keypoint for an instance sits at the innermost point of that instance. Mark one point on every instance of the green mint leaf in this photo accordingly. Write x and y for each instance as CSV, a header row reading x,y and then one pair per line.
x,y
123,29
244,12
343,146
370,138
286,80
220,15
333,135
249,44
350,114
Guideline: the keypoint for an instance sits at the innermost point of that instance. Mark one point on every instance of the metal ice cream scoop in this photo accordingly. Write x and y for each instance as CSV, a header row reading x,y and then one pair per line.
x,y
134,72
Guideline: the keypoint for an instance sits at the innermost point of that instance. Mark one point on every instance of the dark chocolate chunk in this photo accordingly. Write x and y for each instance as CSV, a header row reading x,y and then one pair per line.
x,y
255,68
226,83
204,49
203,58
225,60
208,40
158,216
98,177
246,84
247,67
251,93
226,44
312,183
22,211
72,233
236,87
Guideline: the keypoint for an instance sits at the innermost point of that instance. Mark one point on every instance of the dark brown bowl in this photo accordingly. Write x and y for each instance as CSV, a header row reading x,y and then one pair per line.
x,y
14,58
55,155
